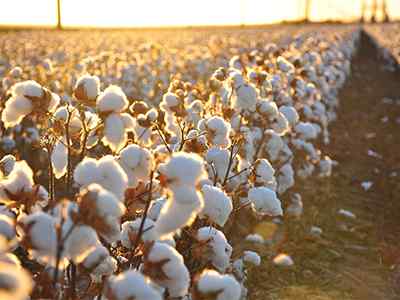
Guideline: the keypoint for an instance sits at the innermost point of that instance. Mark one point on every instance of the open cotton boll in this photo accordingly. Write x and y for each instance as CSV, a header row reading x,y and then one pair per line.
x,y
265,202
7,164
219,158
214,286
284,65
87,88
115,135
306,131
7,227
217,205
99,263
105,171
100,209
19,180
16,72
274,144
169,101
183,168
59,159
280,124
325,166
264,171
283,260
245,97
16,108
15,282
291,114
252,257
165,266
268,108
82,240
137,162
112,99
39,236
130,285
179,211
285,178
155,208
218,131
220,248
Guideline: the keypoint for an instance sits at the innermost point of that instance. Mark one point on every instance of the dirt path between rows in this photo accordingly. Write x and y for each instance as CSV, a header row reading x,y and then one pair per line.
x,y
354,258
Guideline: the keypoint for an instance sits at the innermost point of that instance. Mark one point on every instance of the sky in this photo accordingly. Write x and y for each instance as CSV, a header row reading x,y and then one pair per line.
x,y
126,13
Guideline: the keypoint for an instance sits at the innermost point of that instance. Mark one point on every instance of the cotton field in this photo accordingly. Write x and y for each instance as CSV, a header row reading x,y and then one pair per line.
x,y
127,157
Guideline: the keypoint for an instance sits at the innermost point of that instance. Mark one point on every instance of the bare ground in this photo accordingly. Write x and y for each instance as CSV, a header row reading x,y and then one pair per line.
x,y
353,259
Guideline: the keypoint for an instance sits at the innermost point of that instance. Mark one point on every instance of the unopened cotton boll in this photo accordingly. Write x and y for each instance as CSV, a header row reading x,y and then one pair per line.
x,y
214,286
166,267
112,99
130,285
217,205
15,282
220,248
264,201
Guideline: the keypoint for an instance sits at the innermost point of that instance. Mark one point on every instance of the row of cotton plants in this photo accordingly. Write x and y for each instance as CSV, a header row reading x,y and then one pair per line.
x,y
132,200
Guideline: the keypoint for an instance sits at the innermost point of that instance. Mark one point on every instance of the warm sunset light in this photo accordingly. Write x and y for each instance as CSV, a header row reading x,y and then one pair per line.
x,y
127,13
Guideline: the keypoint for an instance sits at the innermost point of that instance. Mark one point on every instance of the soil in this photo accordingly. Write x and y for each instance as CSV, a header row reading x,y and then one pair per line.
x,y
354,258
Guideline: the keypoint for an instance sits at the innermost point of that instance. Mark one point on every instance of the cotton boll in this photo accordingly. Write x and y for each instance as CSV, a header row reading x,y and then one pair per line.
x,y
183,168
264,171
265,202
114,132
325,166
112,99
99,263
306,131
217,205
291,114
283,260
165,266
284,65
7,227
16,72
100,209
218,131
221,249
15,282
179,211
16,108
155,208
59,159
20,179
137,162
285,178
87,88
280,124
82,240
268,108
7,164
219,158
245,97
106,172
130,229
295,208
274,144
39,236
255,238
252,257
214,286
130,285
